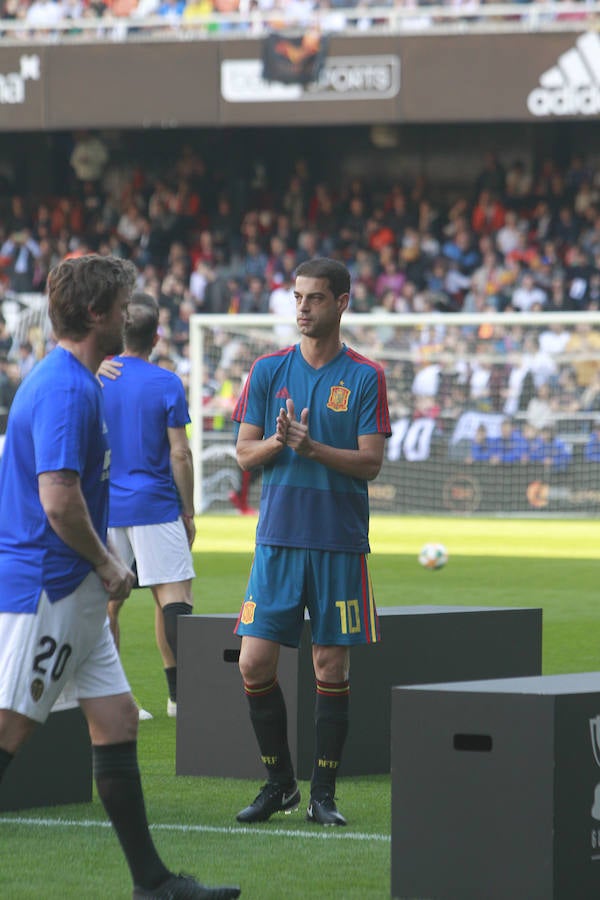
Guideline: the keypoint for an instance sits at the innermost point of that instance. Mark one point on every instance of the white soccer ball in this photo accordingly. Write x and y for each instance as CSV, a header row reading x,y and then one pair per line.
x,y
433,556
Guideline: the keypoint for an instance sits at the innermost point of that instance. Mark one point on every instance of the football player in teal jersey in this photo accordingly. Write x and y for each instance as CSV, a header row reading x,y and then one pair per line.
x,y
315,417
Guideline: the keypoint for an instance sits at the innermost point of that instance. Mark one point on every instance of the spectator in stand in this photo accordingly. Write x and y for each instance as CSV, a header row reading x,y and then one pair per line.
x,y
460,250
6,338
281,303
352,227
578,273
492,176
509,234
566,228
554,338
525,252
559,300
480,448
591,450
224,237
254,260
540,411
308,245
510,447
26,359
323,217
217,294
171,10
130,228
490,279
518,184
21,253
294,202
275,266
584,350
392,277
43,15
255,299
488,214
590,396
10,378
528,297
593,296
550,450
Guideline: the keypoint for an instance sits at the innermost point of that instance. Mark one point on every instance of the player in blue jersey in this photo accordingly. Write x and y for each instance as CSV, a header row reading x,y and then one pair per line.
x,y
56,569
151,520
315,417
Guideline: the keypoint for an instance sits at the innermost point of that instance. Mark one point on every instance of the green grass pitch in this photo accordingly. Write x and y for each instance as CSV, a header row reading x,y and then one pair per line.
x,y
69,852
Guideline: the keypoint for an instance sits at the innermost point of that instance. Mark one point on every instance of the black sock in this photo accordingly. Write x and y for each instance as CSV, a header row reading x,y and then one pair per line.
x,y
268,715
120,789
5,760
171,613
171,676
331,727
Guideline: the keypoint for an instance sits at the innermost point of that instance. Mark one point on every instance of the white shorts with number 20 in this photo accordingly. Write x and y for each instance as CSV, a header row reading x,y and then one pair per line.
x,y
64,648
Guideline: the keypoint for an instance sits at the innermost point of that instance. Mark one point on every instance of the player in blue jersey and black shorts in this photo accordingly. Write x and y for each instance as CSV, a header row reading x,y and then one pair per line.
x,y
151,518
56,568
315,417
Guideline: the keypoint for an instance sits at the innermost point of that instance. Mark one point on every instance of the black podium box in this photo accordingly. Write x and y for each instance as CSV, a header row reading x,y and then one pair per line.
x,y
419,644
496,789
53,767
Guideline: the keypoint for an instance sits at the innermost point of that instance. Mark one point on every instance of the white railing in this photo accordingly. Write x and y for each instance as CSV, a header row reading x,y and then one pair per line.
x,y
411,18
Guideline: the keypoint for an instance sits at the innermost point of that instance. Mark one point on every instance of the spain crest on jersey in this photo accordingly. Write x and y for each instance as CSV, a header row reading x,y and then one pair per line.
x,y
338,398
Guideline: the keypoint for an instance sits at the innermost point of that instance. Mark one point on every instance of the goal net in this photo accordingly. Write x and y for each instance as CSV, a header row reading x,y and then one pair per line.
x,y
498,415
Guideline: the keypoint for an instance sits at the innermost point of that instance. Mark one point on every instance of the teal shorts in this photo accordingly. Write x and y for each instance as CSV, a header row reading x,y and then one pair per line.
x,y
335,588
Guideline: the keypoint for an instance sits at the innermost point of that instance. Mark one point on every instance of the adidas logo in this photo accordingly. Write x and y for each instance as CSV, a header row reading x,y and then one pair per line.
x,y
283,394
572,86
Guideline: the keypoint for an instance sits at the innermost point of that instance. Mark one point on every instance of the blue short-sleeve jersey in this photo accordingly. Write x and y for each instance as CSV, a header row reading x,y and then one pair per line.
x,y
141,405
56,422
304,503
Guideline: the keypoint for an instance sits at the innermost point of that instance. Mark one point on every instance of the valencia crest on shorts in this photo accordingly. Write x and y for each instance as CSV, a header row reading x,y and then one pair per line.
x,y
36,689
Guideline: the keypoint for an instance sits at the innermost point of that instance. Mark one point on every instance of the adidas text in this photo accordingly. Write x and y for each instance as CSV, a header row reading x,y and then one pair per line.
x,y
564,102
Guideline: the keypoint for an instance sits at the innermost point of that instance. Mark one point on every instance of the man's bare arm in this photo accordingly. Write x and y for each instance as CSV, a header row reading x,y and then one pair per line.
x,y
252,450
183,475
68,514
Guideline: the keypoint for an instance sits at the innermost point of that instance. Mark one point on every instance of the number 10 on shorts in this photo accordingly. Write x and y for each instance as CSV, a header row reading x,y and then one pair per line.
x,y
349,616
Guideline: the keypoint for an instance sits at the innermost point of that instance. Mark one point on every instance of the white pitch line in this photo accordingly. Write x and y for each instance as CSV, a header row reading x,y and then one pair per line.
x,y
323,835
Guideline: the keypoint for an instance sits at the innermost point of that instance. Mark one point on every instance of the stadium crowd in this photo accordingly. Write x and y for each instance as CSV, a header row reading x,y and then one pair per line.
x,y
517,240
41,17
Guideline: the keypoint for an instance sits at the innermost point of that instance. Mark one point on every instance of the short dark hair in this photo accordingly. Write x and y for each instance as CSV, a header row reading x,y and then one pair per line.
x,y
85,284
331,270
142,322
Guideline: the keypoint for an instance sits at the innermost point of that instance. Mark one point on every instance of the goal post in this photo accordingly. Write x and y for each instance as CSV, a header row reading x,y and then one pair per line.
x,y
491,414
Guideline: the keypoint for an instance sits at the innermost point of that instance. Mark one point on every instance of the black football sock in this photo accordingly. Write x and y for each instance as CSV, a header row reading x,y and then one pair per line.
x,y
119,787
268,715
171,676
5,760
171,613
331,728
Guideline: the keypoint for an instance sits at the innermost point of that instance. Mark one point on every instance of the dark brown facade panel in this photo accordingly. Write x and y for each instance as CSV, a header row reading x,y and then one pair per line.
x,y
22,89
365,80
506,77
133,86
